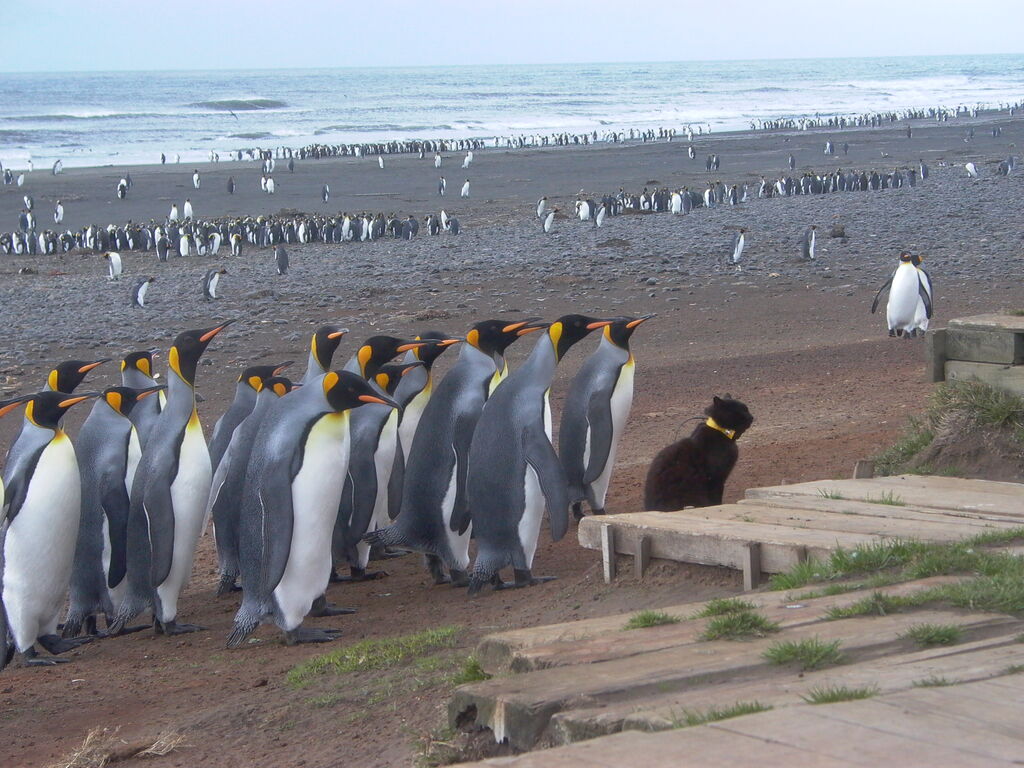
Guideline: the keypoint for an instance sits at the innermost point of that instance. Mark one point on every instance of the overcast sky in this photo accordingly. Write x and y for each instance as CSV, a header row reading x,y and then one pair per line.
x,y
71,35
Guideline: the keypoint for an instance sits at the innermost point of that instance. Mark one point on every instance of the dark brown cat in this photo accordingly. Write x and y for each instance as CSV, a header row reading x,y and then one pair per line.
x,y
692,472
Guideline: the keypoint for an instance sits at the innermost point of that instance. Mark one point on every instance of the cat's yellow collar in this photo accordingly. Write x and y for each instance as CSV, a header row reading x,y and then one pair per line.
x,y
730,433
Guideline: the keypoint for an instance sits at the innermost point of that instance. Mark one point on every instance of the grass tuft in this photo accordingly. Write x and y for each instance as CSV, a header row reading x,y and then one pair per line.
x,y
836,693
722,606
809,653
372,654
887,497
690,718
646,619
934,634
879,604
933,682
470,672
737,626
830,493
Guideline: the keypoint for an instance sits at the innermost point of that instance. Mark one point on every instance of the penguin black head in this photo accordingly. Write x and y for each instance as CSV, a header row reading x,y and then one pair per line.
x,y
123,399
620,330
495,336
45,409
279,385
188,348
69,374
378,350
256,375
568,329
390,374
906,257
140,361
345,390
431,352
325,342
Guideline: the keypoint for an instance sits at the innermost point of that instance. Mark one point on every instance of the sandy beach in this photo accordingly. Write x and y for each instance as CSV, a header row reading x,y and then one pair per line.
x,y
793,339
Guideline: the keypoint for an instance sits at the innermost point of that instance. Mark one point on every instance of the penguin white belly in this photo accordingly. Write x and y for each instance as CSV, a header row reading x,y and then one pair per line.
x,y
411,419
903,299
189,493
458,544
316,492
134,454
533,511
40,545
621,404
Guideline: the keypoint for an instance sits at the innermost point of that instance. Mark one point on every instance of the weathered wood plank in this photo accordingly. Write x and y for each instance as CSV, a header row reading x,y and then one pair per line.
x,y
993,321
1009,377
972,522
936,342
984,346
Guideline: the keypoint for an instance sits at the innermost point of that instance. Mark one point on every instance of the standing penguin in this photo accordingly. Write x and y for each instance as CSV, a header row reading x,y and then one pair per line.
x,y
281,259
231,185
322,347
137,373
114,265
58,212
910,297
139,291
738,241
210,281
229,478
40,517
549,221
247,387
289,505
438,461
108,450
417,385
596,410
514,433
465,189
325,194
807,242
542,205
169,495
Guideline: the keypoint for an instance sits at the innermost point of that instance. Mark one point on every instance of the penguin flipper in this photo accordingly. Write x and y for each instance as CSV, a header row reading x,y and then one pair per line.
x,y
886,284
599,417
364,491
926,297
396,482
541,456
115,505
159,510
275,498
461,516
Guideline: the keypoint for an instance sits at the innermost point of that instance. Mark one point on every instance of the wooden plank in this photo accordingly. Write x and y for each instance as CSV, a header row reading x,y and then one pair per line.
x,y
642,557
936,342
985,346
863,469
993,321
972,522
608,552
1008,377
751,566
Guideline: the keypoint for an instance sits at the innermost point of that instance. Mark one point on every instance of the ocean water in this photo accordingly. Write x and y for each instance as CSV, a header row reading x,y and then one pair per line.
x,y
131,117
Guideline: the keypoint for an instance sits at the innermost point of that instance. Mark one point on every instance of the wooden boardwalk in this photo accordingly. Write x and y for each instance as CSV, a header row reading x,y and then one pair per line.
x,y
774,528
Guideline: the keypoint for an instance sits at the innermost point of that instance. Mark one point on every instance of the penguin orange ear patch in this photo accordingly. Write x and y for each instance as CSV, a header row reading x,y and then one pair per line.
x,y
330,381
114,400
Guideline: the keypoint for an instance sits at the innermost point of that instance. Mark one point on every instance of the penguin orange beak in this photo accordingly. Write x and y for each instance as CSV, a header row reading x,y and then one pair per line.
x,y
214,331
448,342
89,366
151,391
598,324
635,323
282,366
9,405
77,399
337,334
412,345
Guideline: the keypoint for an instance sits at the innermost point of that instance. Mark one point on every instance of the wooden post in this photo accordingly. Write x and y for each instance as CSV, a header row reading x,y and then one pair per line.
x,y
937,355
608,552
863,469
642,556
751,565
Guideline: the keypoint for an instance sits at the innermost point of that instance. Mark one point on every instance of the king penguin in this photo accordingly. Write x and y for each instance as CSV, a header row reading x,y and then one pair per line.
x,y
137,373
910,297
596,410
322,346
108,450
229,477
39,528
438,461
169,496
68,375
210,282
514,433
290,502
417,385
139,291
247,386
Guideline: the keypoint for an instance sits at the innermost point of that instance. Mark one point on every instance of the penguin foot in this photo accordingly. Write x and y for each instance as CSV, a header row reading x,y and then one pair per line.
x,y
227,584
321,608
458,578
892,333
172,627
301,635
55,644
523,578
577,510
30,658
389,553
360,574
598,511
436,567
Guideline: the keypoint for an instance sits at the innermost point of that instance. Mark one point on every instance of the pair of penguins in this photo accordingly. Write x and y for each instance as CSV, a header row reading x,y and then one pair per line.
x,y
909,308
141,512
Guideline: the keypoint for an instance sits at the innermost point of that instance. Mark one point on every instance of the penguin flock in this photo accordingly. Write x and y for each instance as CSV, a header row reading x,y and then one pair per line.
x,y
299,478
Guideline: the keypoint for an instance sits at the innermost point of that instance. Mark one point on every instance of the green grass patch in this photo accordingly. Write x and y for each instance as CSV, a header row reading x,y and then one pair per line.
x,y
722,606
470,672
887,497
830,493
646,619
893,460
688,718
809,653
1014,669
737,626
372,654
835,693
928,635
932,682
1016,312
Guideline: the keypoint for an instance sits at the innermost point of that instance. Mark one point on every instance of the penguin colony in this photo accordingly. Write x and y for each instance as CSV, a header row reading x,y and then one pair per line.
x,y
299,478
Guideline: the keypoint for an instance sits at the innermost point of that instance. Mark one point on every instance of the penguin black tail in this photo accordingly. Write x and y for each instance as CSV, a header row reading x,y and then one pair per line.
x,y
386,537
246,622
486,567
72,625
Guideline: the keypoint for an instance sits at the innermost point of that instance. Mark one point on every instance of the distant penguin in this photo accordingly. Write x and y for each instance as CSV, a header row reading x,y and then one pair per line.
x,y
184,246
281,259
549,221
596,409
325,193
601,213
434,491
229,478
163,247
58,212
792,162
289,504
923,169
231,185
271,186
442,186
169,495
513,432
437,160
807,242
542,206
139,291
465,189
210,282
108,450
137,373
41,513
173,215
114,265
247,388
186,210
380,161
972,170
738,241
236,244
122,189
910,298
195,179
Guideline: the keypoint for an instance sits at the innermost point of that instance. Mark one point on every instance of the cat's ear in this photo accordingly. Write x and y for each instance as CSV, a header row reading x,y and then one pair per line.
x,y
728,396
717,400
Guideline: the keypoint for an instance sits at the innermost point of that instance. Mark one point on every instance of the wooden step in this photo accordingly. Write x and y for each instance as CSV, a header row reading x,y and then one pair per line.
x,y
973,522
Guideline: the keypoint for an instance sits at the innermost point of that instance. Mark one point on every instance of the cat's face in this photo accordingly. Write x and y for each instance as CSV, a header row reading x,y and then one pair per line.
x,y
731,414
